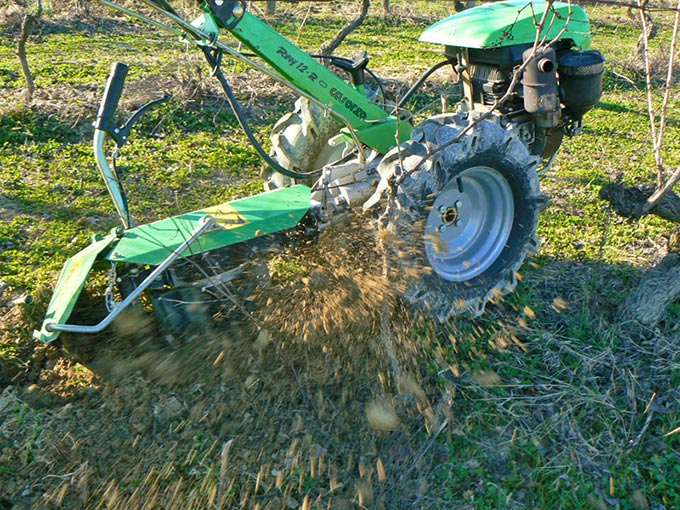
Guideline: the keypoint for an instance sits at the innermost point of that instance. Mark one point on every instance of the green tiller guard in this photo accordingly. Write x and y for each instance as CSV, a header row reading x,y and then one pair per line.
x,y
162,242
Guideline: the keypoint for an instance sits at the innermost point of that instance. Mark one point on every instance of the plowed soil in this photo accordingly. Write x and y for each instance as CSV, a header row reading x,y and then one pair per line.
x,y
325,396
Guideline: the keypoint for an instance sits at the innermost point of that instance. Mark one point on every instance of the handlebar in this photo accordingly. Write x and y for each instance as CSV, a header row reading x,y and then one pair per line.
x,y
112,93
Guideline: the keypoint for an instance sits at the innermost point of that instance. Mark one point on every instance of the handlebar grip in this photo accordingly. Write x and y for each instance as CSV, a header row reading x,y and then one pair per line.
x,y
112,93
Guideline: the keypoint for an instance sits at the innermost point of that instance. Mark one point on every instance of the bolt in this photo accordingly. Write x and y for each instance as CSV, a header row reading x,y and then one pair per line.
x,y
458,203
443,209
26,299
457,223
441,228
238,11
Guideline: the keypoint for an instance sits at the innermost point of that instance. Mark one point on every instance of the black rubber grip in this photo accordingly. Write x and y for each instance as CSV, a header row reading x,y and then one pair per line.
x,y
112,93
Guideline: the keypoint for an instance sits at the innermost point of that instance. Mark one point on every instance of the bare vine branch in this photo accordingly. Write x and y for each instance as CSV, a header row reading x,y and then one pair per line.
x,y
539,42
630,5
658,131
646,36
329,47
28,20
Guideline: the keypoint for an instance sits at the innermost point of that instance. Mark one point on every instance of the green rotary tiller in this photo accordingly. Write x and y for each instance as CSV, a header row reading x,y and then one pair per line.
x,y
462,186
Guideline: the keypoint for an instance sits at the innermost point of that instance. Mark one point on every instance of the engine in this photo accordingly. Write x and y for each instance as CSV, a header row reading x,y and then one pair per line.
x,y
557,87
560,81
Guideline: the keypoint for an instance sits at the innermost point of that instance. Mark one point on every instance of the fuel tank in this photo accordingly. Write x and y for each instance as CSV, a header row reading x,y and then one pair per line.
x,y
510,23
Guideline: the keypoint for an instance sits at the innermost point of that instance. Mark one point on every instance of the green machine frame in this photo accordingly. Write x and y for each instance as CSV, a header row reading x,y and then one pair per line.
x,y
159,244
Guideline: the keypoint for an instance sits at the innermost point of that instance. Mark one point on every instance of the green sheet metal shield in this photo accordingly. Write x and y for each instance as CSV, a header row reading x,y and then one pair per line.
x,y
69,286
151,244
508,23
238,221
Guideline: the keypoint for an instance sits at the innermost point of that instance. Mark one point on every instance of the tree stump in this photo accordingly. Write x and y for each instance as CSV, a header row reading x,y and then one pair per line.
x,y
631,202
660,286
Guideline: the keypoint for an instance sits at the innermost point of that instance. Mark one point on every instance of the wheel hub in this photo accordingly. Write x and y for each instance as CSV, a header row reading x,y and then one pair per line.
x,y
449,216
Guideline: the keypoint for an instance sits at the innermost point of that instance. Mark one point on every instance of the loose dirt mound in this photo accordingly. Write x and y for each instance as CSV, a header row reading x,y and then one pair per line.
x,y
332,394
316,401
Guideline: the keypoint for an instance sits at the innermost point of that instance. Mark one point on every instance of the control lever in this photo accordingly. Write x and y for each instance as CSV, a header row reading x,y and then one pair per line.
x,y
109,104
355,67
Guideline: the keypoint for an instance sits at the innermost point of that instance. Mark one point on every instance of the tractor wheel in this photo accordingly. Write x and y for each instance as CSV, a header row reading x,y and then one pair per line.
x,y
465,217
300,143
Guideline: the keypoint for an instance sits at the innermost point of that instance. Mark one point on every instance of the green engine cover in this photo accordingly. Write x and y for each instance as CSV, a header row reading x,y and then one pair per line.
x,y
509,23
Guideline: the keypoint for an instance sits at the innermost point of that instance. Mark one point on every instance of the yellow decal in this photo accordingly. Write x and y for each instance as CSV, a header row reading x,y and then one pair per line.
x,y
226,216
71,274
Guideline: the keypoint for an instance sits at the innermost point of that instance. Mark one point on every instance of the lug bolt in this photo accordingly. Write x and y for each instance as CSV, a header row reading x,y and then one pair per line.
x,y
458,203
443,209
457,223
441,228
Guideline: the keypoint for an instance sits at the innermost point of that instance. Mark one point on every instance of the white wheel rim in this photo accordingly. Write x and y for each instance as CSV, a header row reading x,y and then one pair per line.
x,y
469,224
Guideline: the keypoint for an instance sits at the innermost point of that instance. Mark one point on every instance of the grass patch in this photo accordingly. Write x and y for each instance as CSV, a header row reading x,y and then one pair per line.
x,y
544,402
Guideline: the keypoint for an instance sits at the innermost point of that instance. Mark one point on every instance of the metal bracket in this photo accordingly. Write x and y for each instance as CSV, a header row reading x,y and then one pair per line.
x,y
120,134
229,12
